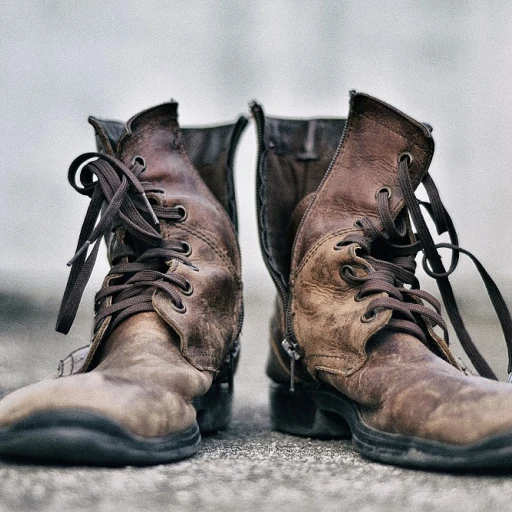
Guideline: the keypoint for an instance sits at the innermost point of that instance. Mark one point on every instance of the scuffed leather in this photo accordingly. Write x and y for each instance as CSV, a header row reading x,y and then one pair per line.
x,y
210,149
399,384
147,371
404,388
327,319
142,382
375,137
211,322
295,155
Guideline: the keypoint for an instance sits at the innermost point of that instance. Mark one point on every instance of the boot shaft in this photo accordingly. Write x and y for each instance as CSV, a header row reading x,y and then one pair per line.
x,y
353,225
211,151
186,267
293,155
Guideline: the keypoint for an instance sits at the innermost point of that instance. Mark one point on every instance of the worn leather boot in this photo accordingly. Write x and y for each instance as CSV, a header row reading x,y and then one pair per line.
x,y
355,345
160,364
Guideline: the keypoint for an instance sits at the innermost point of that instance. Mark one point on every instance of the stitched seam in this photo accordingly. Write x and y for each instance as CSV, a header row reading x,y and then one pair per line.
x,y
205,238
192,169
349,128
316,246
221,211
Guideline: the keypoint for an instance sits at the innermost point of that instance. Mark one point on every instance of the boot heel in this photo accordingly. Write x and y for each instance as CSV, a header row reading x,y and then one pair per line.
x,y
214,409
298,413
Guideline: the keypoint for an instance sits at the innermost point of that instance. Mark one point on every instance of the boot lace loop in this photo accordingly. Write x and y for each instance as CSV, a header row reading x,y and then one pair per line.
x,y
119,199
391,254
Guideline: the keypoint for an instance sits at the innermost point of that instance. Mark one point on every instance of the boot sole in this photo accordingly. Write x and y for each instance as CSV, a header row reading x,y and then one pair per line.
x,y
325,413
79,437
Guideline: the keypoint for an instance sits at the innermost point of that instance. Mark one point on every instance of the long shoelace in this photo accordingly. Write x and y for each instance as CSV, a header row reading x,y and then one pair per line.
x,y
136,273
392,274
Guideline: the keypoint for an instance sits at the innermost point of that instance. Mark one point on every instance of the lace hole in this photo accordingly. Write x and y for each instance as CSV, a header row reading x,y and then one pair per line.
x,y
357,224
154,199
406,156
186,249
338,246
369,316
189,290
179,309
347,271
182,212
386,189
139,160
358,297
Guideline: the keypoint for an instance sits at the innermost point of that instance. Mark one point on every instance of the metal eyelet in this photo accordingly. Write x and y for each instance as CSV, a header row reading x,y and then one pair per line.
x,y
369,316
183,308
338,246
383,189
139,160
186,249
189,290
358,297
357,224
347,269
406,155
183,212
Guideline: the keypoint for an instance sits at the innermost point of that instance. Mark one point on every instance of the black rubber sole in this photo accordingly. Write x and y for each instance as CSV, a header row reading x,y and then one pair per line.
x,y
79,437
325,413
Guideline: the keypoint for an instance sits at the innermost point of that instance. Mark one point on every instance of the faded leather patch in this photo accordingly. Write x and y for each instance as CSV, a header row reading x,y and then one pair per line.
x,y
327,317
209,324
375,137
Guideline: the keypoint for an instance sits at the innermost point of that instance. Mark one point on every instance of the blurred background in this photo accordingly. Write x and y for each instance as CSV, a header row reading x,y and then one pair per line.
x,y
447,63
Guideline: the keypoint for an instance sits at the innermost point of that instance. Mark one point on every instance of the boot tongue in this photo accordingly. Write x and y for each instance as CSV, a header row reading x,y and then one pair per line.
x,y
375,137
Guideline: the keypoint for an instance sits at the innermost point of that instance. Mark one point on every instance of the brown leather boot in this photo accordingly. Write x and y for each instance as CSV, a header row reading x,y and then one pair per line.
x,y
353,346
165,339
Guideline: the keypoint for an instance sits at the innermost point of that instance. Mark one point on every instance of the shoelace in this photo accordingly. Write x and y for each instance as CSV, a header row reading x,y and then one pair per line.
x,y
139,268
396,269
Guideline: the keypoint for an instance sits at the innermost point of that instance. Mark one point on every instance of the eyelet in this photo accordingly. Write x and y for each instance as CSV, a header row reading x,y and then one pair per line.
x,y
369,316
358,297
383,189
357,224
345,269
189,290
183,308
338,245
139,160
155,199
186,249
406,155
183,212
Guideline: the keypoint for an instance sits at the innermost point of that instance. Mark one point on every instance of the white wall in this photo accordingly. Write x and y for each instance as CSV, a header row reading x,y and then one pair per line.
x,y
448,63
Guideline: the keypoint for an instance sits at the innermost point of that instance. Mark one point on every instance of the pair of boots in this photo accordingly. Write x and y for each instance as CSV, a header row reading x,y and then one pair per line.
x,y
355,345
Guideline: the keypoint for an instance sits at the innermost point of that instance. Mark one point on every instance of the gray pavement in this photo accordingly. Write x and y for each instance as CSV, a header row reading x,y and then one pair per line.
x,y
248,467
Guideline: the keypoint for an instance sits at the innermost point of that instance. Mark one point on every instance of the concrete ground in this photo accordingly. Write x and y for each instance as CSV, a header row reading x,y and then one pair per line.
x,y
248,467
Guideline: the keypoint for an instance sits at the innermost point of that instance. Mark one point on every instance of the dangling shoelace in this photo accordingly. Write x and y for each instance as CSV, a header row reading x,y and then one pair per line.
x,y
391,275
136,275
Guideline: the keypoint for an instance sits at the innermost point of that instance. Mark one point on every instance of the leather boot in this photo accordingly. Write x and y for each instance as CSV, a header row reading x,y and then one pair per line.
x,y
356,348
159,368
